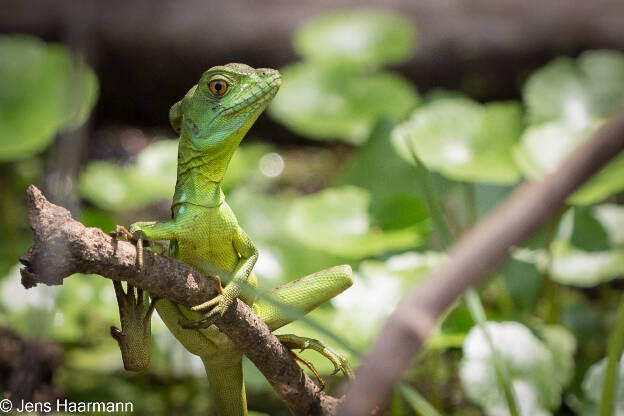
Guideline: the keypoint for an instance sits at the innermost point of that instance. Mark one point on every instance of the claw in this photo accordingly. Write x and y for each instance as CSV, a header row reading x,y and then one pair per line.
x,y
339,362
310,367
136,236
216,306
203,322
208,304
134,336
121,231
139,246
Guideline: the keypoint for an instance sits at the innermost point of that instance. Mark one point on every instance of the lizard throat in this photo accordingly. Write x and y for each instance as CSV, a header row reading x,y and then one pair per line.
x,y
194,188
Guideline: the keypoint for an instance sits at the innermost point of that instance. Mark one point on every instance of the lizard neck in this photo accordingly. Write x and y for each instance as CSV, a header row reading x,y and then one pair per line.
x,y
194,188
199,177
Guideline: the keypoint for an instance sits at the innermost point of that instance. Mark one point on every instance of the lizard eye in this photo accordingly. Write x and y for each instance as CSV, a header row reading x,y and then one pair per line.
x,y
218,87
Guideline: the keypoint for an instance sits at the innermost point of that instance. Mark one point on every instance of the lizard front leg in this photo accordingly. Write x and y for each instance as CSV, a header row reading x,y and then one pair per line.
x,y
147,231
238,286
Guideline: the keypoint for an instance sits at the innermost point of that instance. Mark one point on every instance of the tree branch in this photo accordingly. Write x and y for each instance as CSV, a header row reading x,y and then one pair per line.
x,y
63,246
471,260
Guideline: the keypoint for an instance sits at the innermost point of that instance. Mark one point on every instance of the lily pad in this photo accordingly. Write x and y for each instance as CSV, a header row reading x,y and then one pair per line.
x,y
362,37
395,202
463,140
43,89
538,370
281,256
576,267
592,389
115,187
543,147
365,306
576,92
339,103
153,177
579,264
336,221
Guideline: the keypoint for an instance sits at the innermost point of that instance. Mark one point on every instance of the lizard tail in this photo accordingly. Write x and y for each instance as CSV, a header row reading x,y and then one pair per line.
x,y
227,387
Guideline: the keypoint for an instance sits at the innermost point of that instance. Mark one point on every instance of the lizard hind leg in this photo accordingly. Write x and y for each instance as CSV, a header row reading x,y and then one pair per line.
x,y
135,313
340,363
304,295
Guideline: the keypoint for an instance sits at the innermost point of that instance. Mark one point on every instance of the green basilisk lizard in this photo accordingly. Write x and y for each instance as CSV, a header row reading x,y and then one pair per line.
x,y
212,119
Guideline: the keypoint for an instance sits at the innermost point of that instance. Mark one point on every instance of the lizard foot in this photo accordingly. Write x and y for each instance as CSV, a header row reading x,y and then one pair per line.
x,y
135,312
216,307
136,235
302,343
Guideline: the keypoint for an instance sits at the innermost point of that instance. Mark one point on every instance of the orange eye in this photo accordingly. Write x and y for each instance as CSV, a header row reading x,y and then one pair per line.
x,y
218,87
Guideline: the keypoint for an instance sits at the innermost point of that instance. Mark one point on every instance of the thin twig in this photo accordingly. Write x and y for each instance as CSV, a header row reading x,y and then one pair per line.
x,y
471,260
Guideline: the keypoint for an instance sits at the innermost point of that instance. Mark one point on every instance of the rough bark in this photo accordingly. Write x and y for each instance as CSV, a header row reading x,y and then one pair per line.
x,y
63,246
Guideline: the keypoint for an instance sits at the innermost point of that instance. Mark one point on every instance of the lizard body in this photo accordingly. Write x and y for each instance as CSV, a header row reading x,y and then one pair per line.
x,y
212,119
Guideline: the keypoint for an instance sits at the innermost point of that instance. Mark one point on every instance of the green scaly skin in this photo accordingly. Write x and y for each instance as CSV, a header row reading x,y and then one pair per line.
x,y
204,233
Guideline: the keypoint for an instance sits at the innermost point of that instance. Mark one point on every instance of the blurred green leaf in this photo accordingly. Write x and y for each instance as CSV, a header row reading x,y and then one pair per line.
x,y
95,217
576,92
593,262
43,89
416,401
150,179
398,212
543,147
281,256
462,139
562,344
538,377
377,289
568,100
79,312
244,165
336,220
339,103
588,234
523,280
153,177
592,389
361,37
572,266
394,194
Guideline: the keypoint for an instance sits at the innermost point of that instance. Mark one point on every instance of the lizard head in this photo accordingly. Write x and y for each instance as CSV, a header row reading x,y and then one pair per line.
x,y
226,101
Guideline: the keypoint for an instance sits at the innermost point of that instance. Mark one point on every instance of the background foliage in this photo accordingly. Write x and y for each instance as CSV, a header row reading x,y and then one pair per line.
x,y
352,195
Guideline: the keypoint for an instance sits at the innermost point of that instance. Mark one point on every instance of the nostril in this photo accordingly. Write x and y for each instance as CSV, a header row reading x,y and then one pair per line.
x,y
268,71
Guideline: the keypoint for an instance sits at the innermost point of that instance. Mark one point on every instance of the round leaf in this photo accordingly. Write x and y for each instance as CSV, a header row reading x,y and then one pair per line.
x,y
339,103
462,139
543,147
115,187
576,92
364,37
592,388
538,377
42,90
583,263
336,221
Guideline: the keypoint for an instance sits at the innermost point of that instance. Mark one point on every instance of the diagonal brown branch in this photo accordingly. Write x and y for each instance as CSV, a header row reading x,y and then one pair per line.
x,y
471,259
63,246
